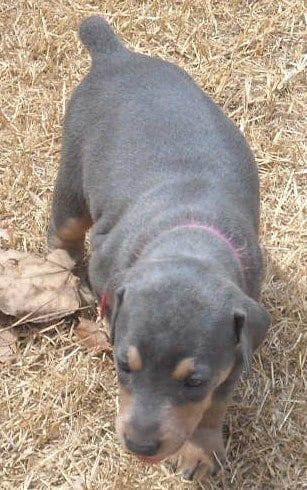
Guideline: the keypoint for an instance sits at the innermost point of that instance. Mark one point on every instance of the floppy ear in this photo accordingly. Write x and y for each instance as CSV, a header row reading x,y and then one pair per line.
x,y
118,299
251,322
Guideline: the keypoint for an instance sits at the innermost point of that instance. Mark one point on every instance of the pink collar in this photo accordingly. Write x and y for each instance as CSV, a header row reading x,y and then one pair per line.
x,y
105,304
194,225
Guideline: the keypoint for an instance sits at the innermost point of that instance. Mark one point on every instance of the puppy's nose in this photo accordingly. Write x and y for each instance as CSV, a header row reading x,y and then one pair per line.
x,y
145,448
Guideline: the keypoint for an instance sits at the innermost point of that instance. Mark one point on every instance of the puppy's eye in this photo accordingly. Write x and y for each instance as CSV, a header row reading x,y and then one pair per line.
x,y
123,366
194,381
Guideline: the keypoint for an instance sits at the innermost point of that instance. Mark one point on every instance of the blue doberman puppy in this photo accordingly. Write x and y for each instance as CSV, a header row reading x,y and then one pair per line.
x,y
171,189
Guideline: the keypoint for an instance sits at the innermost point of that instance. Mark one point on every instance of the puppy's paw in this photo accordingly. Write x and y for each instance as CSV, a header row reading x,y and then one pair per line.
x,y
194,461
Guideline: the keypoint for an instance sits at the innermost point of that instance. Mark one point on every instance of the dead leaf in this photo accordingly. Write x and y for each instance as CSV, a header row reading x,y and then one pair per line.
x,y
92,336
38,289
7,345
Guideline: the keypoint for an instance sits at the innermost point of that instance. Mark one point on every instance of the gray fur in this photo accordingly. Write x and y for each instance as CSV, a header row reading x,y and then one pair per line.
x,y
98,37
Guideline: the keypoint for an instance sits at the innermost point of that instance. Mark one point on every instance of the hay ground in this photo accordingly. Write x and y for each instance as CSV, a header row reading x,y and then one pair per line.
x,y
57,404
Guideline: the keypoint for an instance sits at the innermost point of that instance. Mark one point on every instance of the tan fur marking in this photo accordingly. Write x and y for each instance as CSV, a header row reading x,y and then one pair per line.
x,y
214,416
191,457
125,412
134,358
191,414
184,418
184,368
223,375
205,451
74,229
126,398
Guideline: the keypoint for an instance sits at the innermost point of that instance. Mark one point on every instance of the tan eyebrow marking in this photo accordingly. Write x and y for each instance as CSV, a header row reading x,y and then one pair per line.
x,y
184,368
134,358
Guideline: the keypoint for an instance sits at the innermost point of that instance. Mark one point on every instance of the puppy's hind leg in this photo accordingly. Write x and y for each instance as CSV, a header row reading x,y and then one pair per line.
x,y
70,218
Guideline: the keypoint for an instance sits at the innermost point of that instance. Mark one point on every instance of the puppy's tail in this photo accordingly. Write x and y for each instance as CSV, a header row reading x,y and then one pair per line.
x,y
98,36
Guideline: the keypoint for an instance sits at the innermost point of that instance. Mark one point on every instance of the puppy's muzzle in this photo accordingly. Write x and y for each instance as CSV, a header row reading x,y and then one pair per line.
x,y
143,448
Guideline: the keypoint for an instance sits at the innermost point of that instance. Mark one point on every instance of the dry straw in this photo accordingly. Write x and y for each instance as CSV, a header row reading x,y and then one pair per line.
x,y
57,404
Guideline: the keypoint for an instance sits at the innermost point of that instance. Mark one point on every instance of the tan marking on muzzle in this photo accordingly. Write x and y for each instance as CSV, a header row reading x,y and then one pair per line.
x,y
74,229
125,412
134,358
187,417
184,368
222,376
125,395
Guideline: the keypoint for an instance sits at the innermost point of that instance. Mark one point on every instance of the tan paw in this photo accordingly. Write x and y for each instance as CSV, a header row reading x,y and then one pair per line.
x,y
196,461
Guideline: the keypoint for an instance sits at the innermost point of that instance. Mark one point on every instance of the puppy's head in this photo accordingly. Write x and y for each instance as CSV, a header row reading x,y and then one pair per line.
x,y
178,335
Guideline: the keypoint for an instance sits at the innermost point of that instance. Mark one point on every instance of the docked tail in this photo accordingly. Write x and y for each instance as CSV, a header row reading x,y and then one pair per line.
x,y
98,36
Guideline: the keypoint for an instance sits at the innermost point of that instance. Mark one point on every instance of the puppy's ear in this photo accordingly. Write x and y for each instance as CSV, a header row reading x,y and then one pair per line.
x,y
118,300
251,322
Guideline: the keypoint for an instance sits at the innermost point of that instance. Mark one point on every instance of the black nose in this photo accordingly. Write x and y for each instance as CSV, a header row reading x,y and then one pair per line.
x,y
144,448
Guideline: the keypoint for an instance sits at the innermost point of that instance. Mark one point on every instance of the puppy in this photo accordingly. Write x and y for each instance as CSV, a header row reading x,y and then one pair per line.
x,y
171,189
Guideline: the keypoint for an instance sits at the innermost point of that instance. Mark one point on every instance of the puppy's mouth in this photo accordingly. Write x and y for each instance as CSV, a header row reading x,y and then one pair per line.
x,y
149,459
157,458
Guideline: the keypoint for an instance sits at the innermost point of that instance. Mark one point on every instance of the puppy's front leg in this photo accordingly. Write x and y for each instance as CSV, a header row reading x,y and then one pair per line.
x,y
204,452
